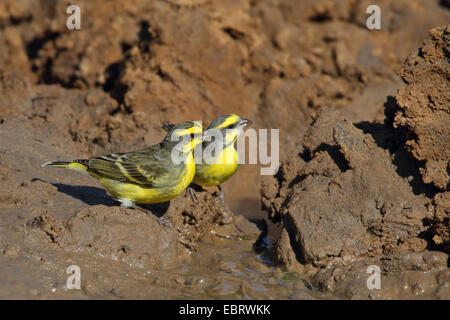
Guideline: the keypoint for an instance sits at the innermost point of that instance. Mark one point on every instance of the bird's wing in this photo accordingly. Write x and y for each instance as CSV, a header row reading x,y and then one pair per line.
x,y
141,167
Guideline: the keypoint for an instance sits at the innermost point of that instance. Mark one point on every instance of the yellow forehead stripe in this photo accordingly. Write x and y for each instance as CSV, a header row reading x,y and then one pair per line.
x,y
232,118
197,128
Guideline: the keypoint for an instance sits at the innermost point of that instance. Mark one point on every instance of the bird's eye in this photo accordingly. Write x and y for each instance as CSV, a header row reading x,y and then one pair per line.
x,y
232,126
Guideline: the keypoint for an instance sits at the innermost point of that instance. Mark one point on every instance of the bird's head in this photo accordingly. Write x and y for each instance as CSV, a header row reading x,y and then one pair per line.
x,y
185,134
230,126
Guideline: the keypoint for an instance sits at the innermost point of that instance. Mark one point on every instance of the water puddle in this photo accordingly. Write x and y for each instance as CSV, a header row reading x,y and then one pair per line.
x,y
233,270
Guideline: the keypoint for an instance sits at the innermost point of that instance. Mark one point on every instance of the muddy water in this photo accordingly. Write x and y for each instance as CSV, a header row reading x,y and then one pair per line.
x,y
224,269
233,270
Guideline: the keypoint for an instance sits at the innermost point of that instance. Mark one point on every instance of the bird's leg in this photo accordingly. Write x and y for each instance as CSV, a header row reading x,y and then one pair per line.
x,y
162,220
192,193
226,216
135,207
221,197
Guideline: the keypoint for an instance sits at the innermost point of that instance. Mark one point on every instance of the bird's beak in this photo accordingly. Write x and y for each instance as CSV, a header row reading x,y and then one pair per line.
x,y
245,122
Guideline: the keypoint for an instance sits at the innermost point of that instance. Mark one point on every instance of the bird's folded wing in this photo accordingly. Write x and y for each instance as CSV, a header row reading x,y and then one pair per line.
x,y
140,169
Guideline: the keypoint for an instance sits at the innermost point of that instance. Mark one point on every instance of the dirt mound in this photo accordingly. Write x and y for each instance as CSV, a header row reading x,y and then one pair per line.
x,y
156,242
352,196
343,207
365,208
424,107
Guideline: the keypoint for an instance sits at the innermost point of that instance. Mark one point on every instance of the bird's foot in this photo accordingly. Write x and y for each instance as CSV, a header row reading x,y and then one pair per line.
x,y
161,220
193,194
165,222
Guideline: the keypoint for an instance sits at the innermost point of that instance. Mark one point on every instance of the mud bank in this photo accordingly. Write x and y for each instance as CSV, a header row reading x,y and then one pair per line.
x,y
291,65
361,194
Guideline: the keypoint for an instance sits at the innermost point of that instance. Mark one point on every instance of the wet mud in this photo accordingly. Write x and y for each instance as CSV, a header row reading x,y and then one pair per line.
x,y
364,141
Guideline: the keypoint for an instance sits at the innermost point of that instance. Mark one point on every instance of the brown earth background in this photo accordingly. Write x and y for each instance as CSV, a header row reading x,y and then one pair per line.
x,y
364,119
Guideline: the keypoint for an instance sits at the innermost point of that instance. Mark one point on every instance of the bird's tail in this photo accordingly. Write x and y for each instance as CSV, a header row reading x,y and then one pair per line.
x,y
77,165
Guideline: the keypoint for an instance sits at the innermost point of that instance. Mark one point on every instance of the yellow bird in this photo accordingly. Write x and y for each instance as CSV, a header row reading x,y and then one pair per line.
x,y
213,172
151,175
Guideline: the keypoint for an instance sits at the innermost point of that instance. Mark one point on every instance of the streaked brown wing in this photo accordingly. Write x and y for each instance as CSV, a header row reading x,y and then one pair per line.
x,y
141,167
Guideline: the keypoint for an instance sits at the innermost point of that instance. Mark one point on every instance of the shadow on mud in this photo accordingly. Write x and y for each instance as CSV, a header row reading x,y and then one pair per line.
x,y
90,195
94,196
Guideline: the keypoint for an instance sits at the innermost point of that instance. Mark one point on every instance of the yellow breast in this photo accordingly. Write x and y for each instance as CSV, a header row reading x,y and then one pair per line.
x,y
223,168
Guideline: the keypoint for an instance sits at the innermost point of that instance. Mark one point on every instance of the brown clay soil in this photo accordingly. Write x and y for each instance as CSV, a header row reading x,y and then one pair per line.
x,y
364,119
